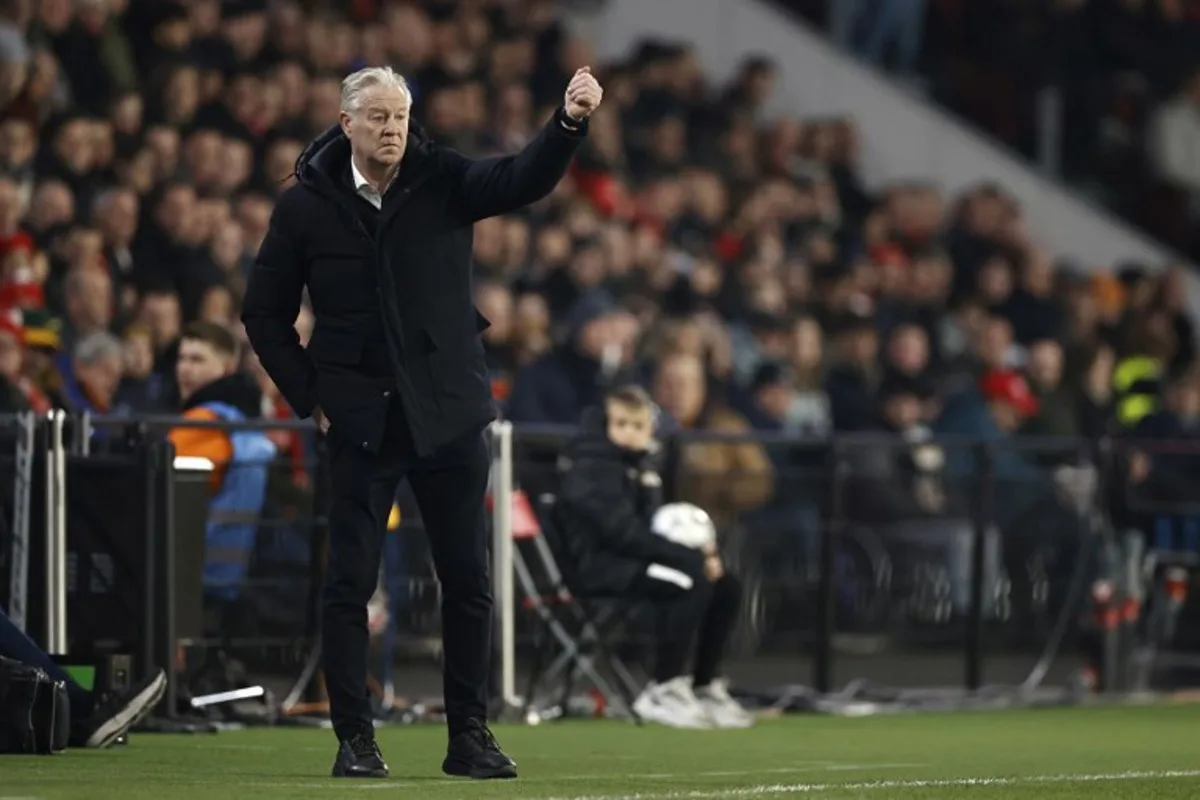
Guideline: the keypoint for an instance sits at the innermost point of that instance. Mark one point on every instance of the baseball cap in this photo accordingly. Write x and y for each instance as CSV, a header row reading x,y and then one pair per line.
x,y
1010,387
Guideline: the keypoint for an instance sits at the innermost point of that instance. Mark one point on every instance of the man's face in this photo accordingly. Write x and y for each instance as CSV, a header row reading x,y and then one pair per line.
x,y
16,142
1046,364
139,356
89,300
199,365
909,350
903,411
120,218
378,128
679,388
100,378
175,210
160,312
629,428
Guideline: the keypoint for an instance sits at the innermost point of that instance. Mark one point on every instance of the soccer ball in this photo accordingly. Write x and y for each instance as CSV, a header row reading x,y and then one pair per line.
x,y
685,524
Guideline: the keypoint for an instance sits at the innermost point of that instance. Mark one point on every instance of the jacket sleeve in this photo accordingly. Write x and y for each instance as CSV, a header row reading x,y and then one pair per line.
x,y
488,187
594,493
272,304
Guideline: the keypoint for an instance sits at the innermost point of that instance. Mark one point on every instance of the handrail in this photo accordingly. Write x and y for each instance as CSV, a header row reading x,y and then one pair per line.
x,y
553,434
168,421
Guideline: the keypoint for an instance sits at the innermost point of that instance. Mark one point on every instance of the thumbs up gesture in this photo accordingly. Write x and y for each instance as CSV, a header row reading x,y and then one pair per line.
x,y
583,94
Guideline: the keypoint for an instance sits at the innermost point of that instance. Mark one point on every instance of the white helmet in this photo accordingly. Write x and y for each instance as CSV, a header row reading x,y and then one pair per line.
x,y
685,524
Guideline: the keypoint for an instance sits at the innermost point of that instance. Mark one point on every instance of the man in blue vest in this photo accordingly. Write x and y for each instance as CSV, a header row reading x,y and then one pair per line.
x,y
212,390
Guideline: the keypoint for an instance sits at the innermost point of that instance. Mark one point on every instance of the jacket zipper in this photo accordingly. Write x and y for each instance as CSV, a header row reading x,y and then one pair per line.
x,y
393,333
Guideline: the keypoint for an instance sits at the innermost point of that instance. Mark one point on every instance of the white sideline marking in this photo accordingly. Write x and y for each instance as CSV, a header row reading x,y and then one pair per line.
x,y
887,785
814,766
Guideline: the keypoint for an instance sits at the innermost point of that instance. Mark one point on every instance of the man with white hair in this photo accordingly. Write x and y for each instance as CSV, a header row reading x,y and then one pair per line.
x,y
378,228
97,362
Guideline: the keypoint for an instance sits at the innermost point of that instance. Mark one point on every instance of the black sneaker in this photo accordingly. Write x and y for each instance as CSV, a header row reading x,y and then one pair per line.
x,y
359,757
474,753
116,713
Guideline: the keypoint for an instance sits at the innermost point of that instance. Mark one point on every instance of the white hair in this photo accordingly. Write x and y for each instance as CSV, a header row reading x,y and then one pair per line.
x,y
96,347
358,82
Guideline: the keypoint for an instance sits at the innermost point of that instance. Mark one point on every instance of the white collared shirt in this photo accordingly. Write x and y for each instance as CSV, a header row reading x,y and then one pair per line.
x,y
364,188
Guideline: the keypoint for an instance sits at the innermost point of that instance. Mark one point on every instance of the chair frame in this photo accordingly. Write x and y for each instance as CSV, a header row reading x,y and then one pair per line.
x,y
577,631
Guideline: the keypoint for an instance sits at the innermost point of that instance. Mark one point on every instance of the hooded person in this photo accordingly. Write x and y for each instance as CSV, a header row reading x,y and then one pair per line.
x,y
607,500
378,229
558,387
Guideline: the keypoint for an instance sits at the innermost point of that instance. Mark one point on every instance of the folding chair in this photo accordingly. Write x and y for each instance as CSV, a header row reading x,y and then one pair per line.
x,y
575,631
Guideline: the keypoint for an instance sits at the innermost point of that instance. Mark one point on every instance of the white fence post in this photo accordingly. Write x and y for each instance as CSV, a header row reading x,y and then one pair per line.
x,y
502,557
56,536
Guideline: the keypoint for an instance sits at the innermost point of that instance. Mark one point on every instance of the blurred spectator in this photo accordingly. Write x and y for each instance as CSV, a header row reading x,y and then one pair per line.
x,y
732,261
97,364
1175,138
1123,73
875,29
598,350
1164,466
1059,412
889,483
1146,357
724,478
855,374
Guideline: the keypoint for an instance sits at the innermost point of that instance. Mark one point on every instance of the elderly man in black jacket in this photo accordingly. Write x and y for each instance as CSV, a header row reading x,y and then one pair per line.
x,y
379,229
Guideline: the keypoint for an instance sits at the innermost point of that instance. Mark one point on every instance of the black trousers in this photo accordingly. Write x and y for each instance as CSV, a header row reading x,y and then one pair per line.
x,y
703,613
449,487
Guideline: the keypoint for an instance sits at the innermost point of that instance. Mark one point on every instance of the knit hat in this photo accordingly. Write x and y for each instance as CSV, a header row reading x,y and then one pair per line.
x,y
42,330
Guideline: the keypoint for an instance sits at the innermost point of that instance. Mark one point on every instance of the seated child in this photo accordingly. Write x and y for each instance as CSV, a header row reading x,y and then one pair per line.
x,y
608,496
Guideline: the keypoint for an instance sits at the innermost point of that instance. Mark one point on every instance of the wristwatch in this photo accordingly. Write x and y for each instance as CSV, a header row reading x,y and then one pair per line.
x,y
568,123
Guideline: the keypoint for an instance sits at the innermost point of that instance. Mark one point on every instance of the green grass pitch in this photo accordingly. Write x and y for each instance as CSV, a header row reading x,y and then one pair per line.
x,y
1146,752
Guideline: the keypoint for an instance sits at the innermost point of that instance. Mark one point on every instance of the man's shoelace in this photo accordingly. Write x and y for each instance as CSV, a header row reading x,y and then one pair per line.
x,y
364,746
483,736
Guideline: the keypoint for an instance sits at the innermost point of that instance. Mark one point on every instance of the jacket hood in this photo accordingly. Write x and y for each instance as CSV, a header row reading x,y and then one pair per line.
x,y
327,155
592,440
238,390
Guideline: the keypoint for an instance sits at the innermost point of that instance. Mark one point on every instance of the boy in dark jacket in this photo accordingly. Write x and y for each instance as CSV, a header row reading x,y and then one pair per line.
x,y
610,491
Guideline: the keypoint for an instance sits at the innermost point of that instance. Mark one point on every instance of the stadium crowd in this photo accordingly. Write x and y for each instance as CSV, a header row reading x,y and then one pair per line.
x,y
734,264
1124,72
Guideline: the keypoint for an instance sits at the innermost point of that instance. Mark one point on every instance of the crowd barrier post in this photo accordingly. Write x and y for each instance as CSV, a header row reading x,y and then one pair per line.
x,y
56,535
18,586
835,519
502,557
982,521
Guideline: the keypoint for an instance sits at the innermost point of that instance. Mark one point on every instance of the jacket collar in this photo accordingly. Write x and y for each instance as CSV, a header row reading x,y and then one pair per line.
x,y
328,155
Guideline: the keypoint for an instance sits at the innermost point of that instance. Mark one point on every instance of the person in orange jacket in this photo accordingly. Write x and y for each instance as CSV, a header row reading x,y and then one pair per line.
x,y
212,390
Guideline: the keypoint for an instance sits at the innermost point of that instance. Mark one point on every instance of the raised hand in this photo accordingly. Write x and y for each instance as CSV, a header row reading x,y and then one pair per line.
x,y
583,94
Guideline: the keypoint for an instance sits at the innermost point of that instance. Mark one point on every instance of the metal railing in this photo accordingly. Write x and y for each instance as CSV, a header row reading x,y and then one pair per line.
x,y
832,570
841,560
